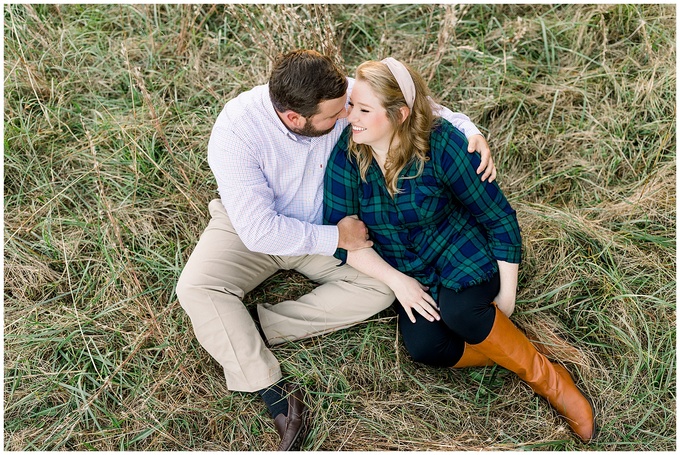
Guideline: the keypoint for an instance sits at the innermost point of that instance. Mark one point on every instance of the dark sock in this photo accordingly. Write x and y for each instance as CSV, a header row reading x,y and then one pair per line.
x,y
274,397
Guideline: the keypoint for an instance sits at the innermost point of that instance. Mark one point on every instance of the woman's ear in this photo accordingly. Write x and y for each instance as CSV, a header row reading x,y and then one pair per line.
x,y
404,112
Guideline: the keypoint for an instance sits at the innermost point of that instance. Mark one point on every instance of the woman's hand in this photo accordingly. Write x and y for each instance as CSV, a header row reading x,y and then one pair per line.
x,y
413,296
505,303
410,293
505,300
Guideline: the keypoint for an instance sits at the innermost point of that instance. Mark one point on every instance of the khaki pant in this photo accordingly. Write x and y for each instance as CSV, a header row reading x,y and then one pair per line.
x,y
221,270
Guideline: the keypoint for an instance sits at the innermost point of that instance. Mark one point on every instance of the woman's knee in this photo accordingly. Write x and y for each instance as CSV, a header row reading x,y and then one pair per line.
x,y
431,345
460,315
469,313
420,352
443,355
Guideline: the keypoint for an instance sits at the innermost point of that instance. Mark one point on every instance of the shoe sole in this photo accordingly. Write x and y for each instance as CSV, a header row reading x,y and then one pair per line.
x,y
300,435
596,428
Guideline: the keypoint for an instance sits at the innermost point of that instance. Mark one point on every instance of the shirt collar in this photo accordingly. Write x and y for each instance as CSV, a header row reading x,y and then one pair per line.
x,y
269,108
274,117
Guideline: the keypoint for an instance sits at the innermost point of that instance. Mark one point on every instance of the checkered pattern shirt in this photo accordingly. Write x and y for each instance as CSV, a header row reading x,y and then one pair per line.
x,y
445,227
270,180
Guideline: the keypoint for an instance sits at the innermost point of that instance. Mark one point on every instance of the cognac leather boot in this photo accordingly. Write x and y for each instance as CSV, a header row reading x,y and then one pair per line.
x,y
511,349
473,358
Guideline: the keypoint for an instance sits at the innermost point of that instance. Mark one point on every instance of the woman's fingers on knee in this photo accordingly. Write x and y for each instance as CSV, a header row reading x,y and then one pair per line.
x,y
434,316
430,300
409,313
424,311
432,310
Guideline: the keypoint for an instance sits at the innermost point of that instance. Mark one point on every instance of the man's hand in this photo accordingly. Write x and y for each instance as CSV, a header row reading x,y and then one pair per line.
x,y
353,234
477,143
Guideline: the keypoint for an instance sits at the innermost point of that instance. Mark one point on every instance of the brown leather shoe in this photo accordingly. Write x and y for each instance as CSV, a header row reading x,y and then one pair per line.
x,y
292,428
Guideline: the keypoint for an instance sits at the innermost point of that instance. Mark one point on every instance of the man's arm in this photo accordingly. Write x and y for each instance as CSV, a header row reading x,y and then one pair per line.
x,y
353,234
249,201
476,141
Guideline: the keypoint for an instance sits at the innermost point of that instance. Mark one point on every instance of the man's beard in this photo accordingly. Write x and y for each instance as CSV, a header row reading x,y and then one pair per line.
x,y
309,130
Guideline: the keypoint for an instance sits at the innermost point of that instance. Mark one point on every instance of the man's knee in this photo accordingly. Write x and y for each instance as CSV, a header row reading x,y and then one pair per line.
x,y
385,298
185,289
381,296
193,287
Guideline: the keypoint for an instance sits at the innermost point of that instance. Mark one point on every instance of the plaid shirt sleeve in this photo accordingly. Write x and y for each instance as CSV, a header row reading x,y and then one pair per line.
x,y
484,200
341,188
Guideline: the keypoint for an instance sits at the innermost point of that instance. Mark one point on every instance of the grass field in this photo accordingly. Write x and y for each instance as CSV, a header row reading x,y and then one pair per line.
x,y
108,110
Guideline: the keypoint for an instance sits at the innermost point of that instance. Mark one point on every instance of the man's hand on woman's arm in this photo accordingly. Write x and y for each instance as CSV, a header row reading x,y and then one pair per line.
x,y
477,143
353,234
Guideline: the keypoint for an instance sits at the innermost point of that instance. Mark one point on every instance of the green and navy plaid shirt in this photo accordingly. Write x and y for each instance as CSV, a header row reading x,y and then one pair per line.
x,y
446,227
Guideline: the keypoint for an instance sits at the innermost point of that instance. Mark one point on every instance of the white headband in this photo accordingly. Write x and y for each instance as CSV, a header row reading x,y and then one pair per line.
x,y
403,77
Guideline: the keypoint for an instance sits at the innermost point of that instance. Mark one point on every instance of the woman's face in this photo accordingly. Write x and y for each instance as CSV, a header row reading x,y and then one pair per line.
x,y
368,117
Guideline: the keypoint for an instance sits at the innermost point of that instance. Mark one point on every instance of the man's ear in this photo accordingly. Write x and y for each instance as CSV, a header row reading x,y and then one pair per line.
x,y
294,119
404,111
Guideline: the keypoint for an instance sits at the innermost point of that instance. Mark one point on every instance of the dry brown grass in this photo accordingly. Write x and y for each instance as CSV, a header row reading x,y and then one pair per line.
x,y
108,109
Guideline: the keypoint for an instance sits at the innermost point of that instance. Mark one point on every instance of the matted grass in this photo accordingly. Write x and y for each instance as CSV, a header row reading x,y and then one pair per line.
x,y
108,110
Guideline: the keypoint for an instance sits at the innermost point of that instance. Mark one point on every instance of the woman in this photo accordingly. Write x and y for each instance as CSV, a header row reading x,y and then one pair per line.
x,y
436,227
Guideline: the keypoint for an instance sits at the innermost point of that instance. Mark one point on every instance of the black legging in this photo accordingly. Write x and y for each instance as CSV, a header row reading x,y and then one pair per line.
x,y
466,316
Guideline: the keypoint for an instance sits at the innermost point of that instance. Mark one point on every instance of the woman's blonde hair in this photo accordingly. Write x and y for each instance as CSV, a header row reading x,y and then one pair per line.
x,y
413,134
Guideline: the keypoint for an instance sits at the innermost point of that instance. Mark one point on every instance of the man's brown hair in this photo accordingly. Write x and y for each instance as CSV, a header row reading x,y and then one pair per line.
x,y
302,79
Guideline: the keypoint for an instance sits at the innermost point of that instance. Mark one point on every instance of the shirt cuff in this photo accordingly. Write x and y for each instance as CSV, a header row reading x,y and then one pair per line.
x,y
471,130
342,255
508,253
328,237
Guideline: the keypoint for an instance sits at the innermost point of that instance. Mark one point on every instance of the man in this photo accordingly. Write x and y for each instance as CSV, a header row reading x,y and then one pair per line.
x,y
268,151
